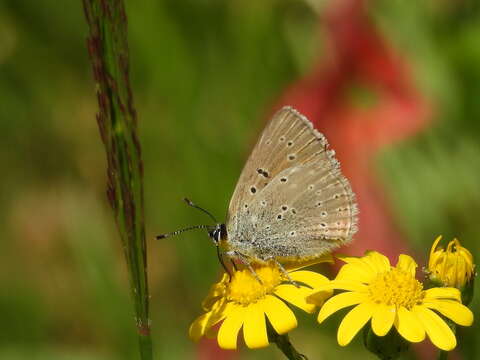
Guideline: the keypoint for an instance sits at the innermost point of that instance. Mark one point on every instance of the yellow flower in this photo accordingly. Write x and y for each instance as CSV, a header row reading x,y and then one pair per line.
x,y
391,296
244,302
452,266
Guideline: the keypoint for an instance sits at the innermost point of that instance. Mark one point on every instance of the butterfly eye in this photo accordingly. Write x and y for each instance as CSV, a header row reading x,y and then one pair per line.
x,y
215,234
223,231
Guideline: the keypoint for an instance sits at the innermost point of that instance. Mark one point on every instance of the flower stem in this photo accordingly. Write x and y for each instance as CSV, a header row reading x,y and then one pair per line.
x,y
117,122
443,355
284,344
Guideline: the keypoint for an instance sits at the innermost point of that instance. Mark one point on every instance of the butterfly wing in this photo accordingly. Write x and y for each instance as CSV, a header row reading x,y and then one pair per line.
x,y
291,199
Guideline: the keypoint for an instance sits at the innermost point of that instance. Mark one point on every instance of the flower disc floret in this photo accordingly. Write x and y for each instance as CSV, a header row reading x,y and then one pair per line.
x,y
245,288
396,287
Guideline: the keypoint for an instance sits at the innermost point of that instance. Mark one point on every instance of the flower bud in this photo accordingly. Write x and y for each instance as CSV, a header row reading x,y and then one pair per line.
x,y
452,267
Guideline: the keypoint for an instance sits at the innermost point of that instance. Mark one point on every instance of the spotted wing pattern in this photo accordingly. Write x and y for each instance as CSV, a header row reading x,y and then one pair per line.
x,y
291,200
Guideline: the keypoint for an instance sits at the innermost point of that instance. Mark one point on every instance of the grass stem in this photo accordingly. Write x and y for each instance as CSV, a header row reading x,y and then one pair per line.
x,y
117,122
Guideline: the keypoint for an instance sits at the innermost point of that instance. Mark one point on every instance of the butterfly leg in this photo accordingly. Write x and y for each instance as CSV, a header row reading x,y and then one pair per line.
x,y
284,272
220,258
244,260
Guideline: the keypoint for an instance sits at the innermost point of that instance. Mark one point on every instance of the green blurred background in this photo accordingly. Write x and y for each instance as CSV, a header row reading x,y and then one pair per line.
x,y
204,74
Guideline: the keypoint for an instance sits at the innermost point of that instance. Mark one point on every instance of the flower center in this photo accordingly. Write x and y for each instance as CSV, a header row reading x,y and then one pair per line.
x,y
396,287
246,289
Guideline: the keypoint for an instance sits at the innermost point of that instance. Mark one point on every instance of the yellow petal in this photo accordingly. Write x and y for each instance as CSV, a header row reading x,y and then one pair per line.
x,y
353,322
443,293
407,264
437,330
348,259
344,285
309,278
314,280
295,296
228,332
383,318
217,290
318,298
254,326
356,272
453,310
360,263
295,265
280,315
203,323
465,254
338,302
432,259
379,261
409,326
200,326
460,273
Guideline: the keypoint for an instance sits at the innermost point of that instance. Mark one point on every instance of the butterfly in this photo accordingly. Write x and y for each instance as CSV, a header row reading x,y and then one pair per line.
x,y
291,202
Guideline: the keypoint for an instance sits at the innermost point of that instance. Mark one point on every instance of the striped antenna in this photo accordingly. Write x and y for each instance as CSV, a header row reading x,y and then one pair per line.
x,y
163,236
190,203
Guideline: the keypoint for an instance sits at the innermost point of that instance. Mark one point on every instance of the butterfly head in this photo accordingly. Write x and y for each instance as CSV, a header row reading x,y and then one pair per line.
x,y
218,233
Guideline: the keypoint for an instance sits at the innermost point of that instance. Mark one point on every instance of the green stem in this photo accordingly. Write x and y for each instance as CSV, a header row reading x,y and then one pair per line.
x,y
284,344
117,122
443,355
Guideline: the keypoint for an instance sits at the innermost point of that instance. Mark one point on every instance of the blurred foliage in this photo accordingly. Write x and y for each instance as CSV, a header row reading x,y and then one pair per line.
x,y
205,74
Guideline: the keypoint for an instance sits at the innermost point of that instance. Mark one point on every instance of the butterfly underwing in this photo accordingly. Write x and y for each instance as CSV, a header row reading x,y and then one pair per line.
x,y
291,201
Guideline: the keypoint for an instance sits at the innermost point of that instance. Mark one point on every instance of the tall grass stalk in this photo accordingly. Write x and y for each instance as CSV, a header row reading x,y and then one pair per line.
x,y
117,122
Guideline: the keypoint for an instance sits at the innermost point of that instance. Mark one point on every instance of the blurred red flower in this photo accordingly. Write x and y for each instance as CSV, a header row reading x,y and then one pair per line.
x,y
359,55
